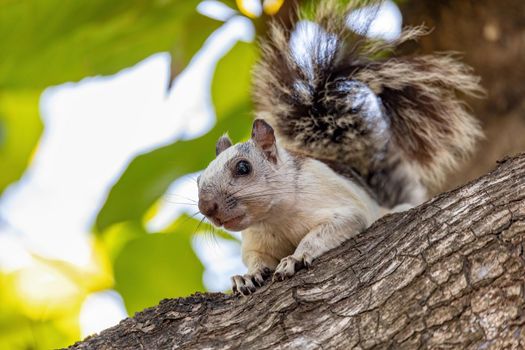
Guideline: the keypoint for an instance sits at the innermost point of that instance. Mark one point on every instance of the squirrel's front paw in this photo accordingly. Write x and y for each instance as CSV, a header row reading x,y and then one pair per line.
x,y
247,284
289,266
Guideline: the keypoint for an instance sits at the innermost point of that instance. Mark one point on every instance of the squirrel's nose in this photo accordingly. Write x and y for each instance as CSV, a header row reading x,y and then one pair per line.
x,y
208,207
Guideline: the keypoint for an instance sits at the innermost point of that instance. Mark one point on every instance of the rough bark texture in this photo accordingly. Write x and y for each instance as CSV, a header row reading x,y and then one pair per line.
x,y
448,274
490,36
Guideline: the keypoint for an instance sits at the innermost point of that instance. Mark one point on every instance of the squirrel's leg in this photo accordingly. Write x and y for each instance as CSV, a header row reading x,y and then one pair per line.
x,y
260,267
320,240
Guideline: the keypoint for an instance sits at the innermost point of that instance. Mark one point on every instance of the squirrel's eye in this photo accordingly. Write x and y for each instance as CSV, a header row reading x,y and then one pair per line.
x,y
243,168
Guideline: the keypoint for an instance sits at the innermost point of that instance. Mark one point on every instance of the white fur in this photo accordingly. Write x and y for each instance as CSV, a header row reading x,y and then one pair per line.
x,y
326,210
309,210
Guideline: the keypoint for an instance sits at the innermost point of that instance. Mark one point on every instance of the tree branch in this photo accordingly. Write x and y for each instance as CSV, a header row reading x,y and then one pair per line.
x,y
447,274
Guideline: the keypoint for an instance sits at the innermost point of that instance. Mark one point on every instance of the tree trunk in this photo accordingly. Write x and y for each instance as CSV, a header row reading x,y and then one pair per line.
x,y
490,36
449,274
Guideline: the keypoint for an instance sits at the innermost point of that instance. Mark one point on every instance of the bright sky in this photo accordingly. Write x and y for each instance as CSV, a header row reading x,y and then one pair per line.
x,y
93,129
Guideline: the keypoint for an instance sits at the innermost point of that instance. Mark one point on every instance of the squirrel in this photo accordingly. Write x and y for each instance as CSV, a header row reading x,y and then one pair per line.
x,y
343,135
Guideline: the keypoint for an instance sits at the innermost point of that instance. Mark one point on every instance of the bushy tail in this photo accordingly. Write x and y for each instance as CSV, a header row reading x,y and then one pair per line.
x,y
333,93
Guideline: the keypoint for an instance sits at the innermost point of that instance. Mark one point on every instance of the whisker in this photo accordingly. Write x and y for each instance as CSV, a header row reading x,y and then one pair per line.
x,y
191,216
194,179
200,222
183,197
262,195
214,236
180,203
210,235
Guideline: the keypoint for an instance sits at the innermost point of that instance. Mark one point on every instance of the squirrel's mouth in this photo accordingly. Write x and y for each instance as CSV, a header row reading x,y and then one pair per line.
x,y
232,224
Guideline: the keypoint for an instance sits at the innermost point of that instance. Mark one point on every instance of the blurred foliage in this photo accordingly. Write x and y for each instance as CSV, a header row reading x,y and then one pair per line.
x,y
172,269
147,178
48,316
49,42
20,129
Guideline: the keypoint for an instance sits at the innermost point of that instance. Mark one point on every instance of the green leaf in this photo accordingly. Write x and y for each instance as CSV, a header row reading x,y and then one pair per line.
x,y
20,332
155,267
232,80
149,175
197,29
117,236
50,42
20,129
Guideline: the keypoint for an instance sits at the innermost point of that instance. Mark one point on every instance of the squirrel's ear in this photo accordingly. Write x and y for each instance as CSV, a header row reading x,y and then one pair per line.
x,y
263,136
223,143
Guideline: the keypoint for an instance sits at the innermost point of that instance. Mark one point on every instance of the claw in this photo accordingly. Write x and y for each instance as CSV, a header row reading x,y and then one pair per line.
x,y
307,264
235,290
249,283
258,280
289,265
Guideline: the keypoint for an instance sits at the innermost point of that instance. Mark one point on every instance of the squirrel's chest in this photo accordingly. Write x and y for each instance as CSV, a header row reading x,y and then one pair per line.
x,y
295,226
280,239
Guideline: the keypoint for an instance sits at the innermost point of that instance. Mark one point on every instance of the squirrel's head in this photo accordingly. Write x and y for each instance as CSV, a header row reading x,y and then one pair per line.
x,y
237,189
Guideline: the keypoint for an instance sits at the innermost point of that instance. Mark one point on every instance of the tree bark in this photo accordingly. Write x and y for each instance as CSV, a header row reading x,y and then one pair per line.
x,y
490,36
449,274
